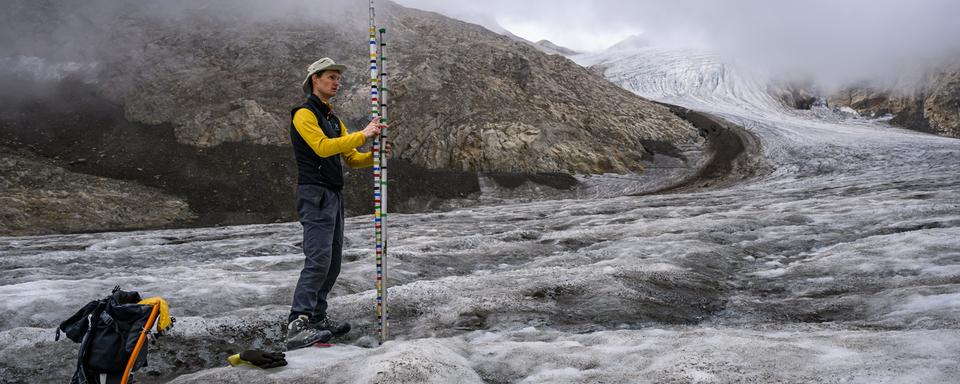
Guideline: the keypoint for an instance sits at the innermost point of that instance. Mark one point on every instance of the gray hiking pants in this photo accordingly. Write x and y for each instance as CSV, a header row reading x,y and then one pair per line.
x,y
321,214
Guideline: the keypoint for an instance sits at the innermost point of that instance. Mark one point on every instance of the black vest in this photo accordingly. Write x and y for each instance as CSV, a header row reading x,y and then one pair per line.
x,y
311,168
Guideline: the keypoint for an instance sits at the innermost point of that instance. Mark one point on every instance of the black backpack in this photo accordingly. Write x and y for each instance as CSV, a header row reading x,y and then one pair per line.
x,y
108,331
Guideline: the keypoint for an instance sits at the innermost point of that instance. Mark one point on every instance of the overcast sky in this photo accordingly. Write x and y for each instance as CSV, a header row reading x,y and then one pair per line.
x,y
823,37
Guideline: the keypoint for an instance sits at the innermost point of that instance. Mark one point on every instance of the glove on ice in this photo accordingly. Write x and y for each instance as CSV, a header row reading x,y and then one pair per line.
x,y
258,358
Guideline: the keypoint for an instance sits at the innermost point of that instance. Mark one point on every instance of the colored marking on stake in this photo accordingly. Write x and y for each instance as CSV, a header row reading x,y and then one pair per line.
x,y
378,103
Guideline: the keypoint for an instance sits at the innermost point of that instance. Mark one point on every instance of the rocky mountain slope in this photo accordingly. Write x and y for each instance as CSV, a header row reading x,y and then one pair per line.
x,y
553,49
932,106
466,99
198,97
929,103
38,197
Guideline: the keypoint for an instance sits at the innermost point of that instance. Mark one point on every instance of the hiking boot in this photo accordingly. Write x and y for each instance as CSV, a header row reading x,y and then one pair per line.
x,y
300,335
325,323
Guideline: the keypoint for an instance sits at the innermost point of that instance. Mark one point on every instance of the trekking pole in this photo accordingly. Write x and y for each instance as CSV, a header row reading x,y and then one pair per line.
x,y
378,185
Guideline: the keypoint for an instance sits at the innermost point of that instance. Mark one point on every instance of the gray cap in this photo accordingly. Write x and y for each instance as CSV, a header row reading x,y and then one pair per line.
x,y
323,64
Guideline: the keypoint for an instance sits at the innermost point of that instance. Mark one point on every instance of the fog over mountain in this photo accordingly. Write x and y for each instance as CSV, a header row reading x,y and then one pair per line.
x,y
833,42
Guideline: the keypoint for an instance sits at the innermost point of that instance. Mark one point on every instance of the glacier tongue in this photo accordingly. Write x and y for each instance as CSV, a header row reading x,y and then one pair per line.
x,y
840,265
694,79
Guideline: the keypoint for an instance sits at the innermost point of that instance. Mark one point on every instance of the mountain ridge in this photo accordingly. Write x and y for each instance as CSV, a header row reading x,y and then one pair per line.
x,y
216,89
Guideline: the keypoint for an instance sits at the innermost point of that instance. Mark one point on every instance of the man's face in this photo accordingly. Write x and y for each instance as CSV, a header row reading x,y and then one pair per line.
x,y
326,84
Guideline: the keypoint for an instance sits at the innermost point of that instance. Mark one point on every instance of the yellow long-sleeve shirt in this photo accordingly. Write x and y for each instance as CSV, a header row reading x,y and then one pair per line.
x,y
309,128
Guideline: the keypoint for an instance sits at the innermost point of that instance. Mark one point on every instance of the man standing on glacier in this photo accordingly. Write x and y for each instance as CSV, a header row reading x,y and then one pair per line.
x,y
321,144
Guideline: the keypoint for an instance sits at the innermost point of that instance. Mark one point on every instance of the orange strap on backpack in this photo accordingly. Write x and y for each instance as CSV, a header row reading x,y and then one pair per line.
x,y
140,341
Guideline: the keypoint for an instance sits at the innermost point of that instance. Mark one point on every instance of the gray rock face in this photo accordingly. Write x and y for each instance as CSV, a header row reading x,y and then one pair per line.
x,y
214,83
36,197
549,47
928,104
526,111
464,98
210,85
797,96
942,106
905,105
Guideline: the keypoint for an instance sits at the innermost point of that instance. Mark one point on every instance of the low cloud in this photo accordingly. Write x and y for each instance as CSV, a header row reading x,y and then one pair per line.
x,y
828,41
